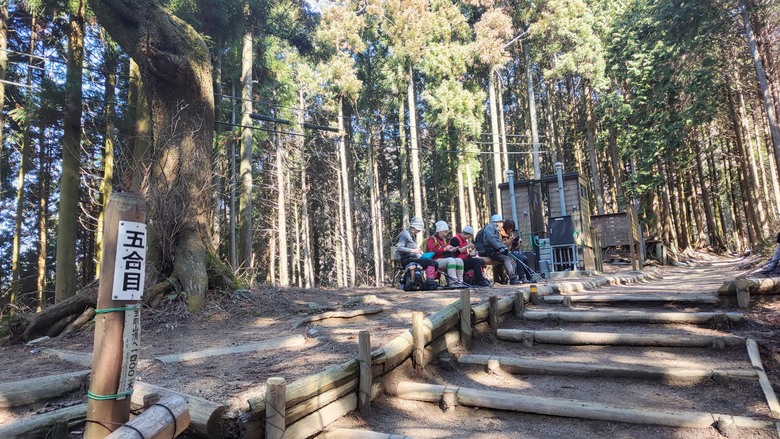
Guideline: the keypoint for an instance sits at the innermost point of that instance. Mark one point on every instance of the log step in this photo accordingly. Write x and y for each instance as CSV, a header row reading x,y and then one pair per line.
x,y
704,298
575,408
615,339
530,366
623,316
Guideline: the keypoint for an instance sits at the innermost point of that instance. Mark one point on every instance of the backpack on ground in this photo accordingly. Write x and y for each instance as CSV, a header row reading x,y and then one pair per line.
x,y
414,278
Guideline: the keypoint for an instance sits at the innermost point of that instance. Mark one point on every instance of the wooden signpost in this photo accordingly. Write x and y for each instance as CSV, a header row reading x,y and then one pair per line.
x,y
117,324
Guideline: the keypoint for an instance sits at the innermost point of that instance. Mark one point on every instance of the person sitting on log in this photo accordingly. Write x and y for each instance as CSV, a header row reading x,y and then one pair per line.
x,y
511,239
771,267
407,248
489,239
465,250
443,254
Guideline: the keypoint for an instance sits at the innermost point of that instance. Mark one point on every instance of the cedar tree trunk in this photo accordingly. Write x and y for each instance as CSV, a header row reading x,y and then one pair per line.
x,y
176,69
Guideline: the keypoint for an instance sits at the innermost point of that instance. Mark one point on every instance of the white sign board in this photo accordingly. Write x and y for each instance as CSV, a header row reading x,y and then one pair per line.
x,y
130,264
132,344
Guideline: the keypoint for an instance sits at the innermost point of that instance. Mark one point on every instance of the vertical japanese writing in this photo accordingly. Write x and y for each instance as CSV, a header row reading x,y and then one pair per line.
x,y
130,261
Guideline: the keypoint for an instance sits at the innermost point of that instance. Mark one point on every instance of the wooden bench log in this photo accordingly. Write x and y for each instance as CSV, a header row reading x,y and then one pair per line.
x,y
266,345
758,285
37,426
165,419
615,339
631,316
543,367
574,408
34,390
706,298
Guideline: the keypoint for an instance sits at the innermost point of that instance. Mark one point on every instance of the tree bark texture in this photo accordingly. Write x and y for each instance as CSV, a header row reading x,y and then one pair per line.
x,y
245,198
497,169
66,281
176,68
766,96
3,69
107,184
415,153
749,199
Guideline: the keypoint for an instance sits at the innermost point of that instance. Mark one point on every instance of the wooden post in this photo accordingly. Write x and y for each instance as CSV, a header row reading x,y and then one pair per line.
x,y
364,395
493,365
449,400
493,313
418,341
535,295
519,304
743,297
465,317
115,347
275,401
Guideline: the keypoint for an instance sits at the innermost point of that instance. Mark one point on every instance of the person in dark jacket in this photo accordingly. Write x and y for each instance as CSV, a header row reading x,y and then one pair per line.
x,y
489,238
771,266
511,239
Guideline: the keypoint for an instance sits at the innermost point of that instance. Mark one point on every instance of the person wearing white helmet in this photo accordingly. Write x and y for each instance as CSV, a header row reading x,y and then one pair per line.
x,y
464,249
407,248
443,254
490,245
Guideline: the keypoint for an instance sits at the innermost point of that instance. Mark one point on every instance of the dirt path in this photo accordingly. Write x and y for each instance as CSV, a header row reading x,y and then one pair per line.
x,y
262,314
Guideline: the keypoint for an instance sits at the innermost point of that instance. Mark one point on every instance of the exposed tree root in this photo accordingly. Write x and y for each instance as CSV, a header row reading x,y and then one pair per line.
x,y
76,312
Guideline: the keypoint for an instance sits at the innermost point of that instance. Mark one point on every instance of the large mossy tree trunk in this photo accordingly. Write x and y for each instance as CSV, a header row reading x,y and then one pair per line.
x,y
176,70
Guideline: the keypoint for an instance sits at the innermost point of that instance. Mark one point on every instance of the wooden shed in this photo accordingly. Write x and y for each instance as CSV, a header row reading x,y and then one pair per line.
x,y
538,202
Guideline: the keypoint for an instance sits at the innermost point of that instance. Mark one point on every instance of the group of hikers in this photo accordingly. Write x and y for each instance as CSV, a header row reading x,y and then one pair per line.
x,y
461,258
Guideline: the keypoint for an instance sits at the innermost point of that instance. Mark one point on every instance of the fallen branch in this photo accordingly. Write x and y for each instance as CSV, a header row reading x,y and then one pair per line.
x,y
573,408
338,315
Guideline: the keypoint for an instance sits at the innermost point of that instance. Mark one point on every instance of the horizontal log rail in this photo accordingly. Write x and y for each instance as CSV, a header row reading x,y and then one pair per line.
x,y
574,408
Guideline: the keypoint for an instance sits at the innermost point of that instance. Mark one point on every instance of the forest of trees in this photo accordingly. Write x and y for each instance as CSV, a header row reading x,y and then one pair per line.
x,y
290,142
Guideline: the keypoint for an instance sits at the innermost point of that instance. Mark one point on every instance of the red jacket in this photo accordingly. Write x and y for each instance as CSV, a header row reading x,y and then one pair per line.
x,y
436,246
458,241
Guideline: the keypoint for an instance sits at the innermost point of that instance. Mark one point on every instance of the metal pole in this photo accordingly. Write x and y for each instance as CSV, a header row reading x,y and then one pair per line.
x,y
559,172
510,177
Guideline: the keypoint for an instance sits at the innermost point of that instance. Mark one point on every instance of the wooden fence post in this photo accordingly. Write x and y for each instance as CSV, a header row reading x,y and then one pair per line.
x,y
493,313
418,341
117,324
519,304
275,411
465,317
364,392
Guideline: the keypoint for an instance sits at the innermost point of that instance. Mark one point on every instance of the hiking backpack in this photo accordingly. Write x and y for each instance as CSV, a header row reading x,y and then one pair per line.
x,y
414,277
